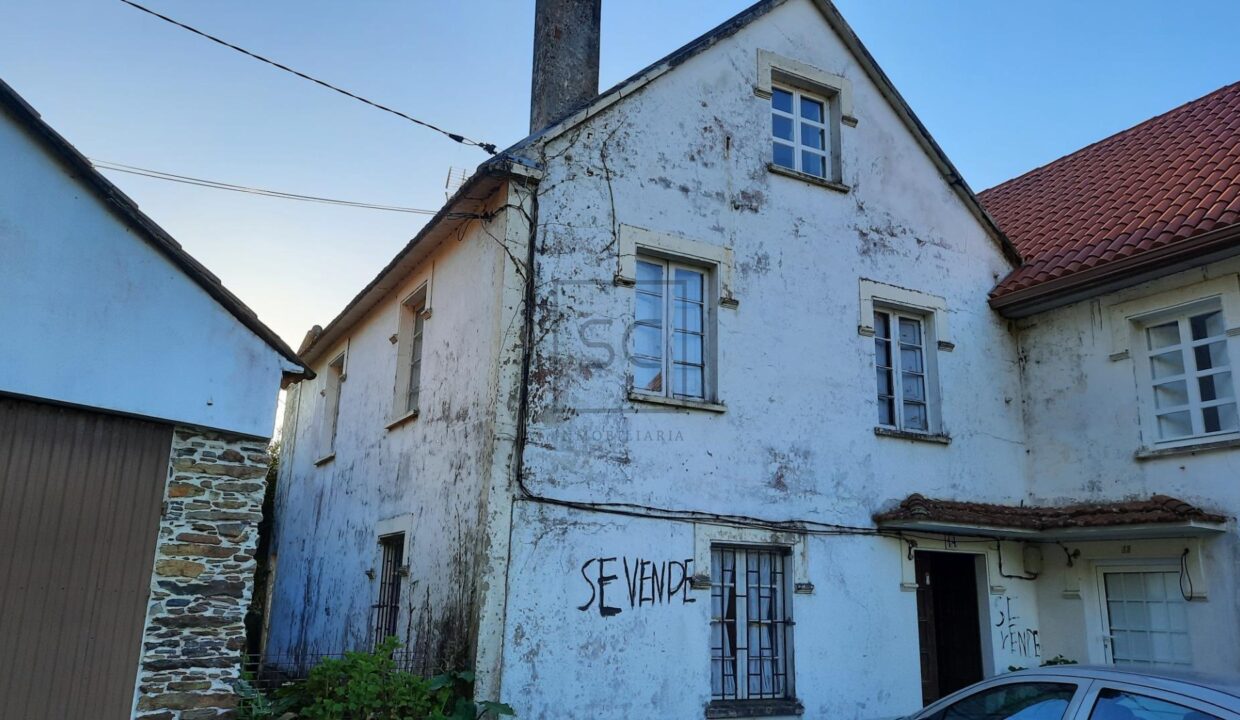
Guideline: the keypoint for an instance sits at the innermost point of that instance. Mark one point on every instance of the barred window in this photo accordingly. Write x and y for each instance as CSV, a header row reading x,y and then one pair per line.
x,y
387,606
751,624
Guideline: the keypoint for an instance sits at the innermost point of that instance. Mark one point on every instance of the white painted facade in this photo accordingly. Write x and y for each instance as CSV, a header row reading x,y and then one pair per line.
x,y
95,316
675,166
1083,407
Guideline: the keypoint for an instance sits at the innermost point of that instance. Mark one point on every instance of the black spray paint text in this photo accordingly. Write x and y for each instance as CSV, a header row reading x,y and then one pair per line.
x,y
647,582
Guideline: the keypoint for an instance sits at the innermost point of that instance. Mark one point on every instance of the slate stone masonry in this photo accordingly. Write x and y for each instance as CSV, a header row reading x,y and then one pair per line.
x,y
203,577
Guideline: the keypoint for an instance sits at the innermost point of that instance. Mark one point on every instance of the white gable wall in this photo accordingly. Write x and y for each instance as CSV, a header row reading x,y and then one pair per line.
x,y
95,316
687,156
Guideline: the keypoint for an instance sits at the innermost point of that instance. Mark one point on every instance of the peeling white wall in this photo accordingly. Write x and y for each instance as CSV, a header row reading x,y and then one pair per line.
x,y
427,477
93,315
687,155
1081,409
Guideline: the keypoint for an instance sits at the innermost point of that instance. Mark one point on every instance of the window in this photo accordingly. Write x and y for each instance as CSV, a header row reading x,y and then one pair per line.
x,y
751,624
413,314
1146,618
1013,701
1116,704
673,309
332,381
800,132
1190,375
901,367
387,606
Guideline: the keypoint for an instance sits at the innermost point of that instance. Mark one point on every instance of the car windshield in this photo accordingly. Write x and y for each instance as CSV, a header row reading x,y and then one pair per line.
x,y
1012,701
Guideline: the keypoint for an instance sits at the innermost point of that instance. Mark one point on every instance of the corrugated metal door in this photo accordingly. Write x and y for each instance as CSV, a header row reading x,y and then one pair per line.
x,y
80,497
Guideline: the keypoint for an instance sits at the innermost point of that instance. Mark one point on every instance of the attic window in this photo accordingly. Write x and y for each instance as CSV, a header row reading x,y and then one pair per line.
x,y
808,108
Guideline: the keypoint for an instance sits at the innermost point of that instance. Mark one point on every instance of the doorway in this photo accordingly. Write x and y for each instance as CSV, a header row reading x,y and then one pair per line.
x,y
948,622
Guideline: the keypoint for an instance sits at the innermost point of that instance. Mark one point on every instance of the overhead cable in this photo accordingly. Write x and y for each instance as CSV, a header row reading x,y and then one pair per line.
x,y
489,147
217,185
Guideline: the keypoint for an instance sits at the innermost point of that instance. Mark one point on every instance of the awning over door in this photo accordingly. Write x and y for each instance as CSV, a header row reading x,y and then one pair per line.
x,y
1160,516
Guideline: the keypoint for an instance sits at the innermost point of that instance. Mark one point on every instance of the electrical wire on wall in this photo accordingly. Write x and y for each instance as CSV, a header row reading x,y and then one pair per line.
x,y
1186,577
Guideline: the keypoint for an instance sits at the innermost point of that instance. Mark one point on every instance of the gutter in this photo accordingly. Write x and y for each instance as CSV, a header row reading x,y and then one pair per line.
x,y
1206,248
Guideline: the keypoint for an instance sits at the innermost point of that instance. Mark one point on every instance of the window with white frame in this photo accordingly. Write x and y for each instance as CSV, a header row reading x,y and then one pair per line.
x,y
1146,616
903,375
1190,376
800,132
413,314
673,312
751,623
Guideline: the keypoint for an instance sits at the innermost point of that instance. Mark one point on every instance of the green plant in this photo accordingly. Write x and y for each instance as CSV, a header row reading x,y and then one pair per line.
x,y
456,691
254,704
1059,660
369,686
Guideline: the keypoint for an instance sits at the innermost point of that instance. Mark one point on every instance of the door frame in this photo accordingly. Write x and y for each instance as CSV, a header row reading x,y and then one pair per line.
x,y
981,574
1100,650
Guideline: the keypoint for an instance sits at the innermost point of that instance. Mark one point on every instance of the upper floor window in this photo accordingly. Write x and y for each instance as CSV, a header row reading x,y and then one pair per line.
x,y
414,311
800,132
900,361
333,380
670,335
1190,375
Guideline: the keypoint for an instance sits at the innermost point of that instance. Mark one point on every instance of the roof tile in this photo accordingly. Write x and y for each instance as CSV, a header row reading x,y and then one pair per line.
x,y
1166,181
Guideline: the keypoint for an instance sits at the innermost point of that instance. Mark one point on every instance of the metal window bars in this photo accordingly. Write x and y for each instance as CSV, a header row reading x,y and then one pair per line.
x,y
387,607
750,605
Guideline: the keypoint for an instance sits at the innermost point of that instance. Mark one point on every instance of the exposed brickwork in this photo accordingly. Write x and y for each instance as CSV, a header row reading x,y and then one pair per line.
x,y
203,578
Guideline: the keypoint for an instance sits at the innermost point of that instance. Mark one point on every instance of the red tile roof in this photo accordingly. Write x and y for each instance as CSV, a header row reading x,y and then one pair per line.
x,y
1158,509
1165,182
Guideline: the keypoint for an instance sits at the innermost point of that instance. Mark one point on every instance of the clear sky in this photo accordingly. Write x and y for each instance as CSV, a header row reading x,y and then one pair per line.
x,y
1004,86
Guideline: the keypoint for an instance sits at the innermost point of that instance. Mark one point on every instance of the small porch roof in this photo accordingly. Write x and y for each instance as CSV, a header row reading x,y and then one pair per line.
x,y
1160,516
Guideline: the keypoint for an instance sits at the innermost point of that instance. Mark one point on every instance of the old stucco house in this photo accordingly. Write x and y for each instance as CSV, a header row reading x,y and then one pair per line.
x,y
722,394
137,398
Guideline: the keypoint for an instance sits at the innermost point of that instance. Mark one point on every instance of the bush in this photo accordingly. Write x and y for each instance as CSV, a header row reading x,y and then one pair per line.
x,y
368,686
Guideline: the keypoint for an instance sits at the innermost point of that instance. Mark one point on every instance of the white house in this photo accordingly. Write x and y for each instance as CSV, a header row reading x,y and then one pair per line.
x,y
693,402
137,398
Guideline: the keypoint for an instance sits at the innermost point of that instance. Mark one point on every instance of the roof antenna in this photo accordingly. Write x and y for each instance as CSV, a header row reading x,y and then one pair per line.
x,y
456,178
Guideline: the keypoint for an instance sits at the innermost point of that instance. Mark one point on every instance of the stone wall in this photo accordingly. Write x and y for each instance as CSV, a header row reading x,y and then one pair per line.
x,y
203,577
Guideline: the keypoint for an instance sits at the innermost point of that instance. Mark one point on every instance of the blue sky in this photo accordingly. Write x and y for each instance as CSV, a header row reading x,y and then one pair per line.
x,y
1004,86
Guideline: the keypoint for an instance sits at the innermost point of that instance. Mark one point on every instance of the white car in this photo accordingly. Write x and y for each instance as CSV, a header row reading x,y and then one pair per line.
x,y
1076,692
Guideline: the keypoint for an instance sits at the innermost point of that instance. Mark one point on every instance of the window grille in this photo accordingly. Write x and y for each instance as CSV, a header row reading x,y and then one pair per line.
x,y
387,608
751,624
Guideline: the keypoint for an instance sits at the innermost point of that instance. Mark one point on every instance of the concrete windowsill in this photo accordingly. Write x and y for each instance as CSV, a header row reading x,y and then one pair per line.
x,y
401,420
674,402
811,179
325,459
739,709
933,439
1155,453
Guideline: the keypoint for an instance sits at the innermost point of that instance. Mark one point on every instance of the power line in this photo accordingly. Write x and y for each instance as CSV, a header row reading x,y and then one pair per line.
x,y
217,185
489,147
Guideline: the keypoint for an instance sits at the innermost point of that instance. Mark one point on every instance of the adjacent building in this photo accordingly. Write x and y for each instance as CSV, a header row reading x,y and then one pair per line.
x,y
137,399
722,394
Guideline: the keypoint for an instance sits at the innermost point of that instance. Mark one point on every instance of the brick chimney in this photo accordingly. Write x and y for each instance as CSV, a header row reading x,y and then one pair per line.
x,y
566,42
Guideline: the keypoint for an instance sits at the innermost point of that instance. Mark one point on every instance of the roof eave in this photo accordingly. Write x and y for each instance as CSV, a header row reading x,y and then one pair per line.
x,y
464,206
1213,246
1132,531
917,128
123,207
